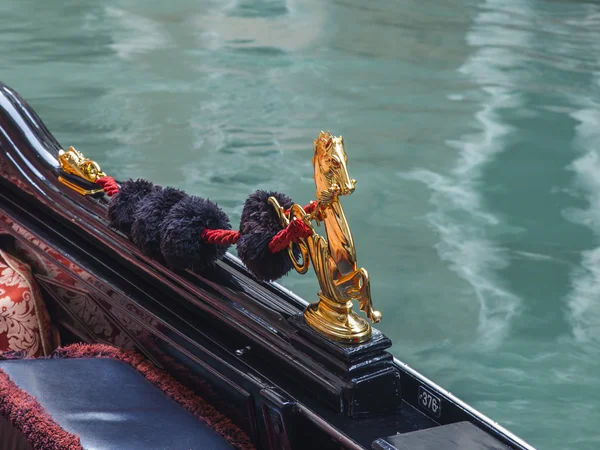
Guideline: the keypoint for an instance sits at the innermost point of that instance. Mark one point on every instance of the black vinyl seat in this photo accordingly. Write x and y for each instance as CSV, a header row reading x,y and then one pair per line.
x,y
454,436
110,406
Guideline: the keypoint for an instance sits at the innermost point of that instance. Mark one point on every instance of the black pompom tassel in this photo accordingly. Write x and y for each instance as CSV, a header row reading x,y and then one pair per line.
x,y
258,224
122,206
150,212
181,244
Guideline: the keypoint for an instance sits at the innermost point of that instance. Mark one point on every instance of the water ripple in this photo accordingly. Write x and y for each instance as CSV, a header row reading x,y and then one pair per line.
x,y
461,219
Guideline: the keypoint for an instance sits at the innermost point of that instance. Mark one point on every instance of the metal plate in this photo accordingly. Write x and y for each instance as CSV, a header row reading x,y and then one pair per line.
x,y
430,402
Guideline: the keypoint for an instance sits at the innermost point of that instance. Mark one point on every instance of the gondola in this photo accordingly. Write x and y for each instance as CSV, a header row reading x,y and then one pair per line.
x,y
271,366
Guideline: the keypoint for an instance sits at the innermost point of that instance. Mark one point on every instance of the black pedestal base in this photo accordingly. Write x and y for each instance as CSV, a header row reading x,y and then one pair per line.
x,y
370,384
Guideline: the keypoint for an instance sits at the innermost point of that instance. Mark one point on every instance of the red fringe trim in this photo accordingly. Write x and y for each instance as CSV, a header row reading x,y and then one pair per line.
x,y
29,417
176,391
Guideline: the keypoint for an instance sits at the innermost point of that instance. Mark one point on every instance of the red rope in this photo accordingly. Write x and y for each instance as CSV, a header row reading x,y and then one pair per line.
x,y
109,185
222,237
308,209
296,230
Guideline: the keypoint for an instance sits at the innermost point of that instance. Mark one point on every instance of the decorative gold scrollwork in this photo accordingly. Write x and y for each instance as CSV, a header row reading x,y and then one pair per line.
x,y
72,162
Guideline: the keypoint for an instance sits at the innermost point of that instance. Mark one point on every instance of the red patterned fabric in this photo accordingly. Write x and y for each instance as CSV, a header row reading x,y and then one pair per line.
x,y
24,320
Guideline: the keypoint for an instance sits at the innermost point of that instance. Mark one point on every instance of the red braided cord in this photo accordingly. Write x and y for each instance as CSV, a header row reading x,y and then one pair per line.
x,y
222,237
308,209
292,233
296,230
109,185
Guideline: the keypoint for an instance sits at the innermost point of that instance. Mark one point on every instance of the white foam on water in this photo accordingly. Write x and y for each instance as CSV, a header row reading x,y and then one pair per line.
x,y
136,34
460,218
583,300
533,256
287,32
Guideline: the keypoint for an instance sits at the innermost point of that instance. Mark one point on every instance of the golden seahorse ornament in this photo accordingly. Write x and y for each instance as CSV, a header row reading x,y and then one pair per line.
x,y
334,258
73,163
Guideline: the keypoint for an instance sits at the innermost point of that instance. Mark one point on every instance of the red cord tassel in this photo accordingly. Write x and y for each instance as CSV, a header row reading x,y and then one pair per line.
x,y
109,185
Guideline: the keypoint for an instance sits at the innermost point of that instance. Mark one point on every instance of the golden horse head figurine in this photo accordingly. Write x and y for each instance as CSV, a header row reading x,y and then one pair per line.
x,y
334,258
331,172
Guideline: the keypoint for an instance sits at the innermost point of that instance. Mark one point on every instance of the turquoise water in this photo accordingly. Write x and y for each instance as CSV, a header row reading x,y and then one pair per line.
x,y
473,128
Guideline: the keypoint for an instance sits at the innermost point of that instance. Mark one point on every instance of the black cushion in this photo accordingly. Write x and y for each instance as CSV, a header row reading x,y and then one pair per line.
x,y
110,406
